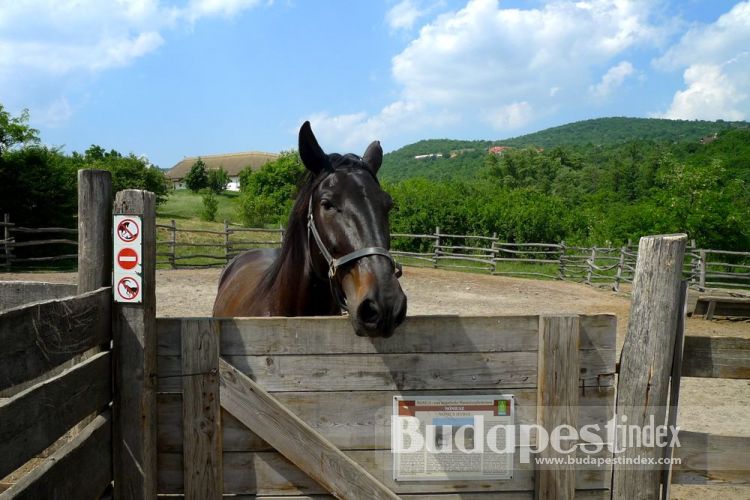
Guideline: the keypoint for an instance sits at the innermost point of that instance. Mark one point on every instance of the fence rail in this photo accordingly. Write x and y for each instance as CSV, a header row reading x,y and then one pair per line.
x,y
192,248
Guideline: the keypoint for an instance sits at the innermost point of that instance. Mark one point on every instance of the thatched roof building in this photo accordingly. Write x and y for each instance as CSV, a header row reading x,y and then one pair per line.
x,y
233,163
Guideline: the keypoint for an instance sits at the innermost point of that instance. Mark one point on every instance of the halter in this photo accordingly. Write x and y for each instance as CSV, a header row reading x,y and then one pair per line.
x,y
335,264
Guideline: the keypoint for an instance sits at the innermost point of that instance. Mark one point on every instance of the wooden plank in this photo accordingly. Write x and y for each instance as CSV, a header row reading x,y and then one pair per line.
x,y
716,357
81,468
269,473
476,495
557,402
430,334
94,229
43,335
38,416
200,410
396,371
722,306
711,459
135,365
307,449
646,360
18,293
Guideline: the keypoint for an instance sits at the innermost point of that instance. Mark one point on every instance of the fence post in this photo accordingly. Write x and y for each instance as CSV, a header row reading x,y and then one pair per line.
x,y
437,247
135,365
173,246
590,263
562,260
702,270
6,237
493,249
646,360
226,242
94,229
620,265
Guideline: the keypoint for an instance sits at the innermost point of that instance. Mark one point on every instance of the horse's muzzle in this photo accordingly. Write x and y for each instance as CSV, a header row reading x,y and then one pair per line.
x,y
378,314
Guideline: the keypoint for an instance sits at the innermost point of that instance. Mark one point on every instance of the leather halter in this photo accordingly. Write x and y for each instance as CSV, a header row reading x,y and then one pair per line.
x,y
335,264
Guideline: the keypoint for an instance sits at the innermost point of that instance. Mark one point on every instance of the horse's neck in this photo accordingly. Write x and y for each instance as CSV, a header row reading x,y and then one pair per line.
x,y
300,290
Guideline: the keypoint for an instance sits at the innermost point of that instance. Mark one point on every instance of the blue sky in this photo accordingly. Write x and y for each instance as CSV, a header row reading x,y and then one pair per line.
x,y
169,79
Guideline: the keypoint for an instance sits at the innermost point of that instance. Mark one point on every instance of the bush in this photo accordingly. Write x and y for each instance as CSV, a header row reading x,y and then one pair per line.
x,y
210,206
268,194
218,180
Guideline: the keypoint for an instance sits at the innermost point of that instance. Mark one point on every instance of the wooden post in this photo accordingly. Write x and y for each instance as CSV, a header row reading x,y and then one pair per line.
x,y
6,237
557,399
590,269
562,260
173,246
135,365
201,413
226,242
620,266
493,249
702,269
646,359
94,229
437,247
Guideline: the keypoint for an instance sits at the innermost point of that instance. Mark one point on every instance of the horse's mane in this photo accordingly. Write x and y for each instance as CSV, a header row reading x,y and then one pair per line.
x,y
294,249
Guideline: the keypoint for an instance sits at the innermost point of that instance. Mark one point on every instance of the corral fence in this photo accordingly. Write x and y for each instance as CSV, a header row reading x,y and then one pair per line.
x,y
289,407
24,246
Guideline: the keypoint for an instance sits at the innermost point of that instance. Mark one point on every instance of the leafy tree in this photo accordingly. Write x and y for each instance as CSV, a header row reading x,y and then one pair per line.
x,y
210,205
16,130
197,178
218,180
267,194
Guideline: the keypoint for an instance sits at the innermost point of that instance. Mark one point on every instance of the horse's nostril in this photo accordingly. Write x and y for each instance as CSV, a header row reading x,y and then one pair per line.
x,y
368,312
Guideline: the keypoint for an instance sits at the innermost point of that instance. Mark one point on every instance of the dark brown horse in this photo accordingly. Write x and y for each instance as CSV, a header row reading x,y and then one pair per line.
x,y
335,251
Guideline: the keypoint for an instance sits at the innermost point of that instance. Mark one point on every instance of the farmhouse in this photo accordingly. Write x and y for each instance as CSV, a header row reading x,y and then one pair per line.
x,y
233,163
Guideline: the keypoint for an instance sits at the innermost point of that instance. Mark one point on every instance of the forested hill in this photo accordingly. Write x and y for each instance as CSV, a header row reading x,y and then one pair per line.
x,y
463,159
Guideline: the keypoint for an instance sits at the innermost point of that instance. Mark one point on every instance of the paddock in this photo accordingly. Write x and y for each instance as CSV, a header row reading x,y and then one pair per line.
x,y
280,407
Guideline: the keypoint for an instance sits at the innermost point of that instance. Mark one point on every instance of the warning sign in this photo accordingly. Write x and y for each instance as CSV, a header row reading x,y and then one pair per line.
x,y
127,255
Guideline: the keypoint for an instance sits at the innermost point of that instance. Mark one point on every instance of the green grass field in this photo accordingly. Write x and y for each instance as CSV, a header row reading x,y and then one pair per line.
x,y
183,204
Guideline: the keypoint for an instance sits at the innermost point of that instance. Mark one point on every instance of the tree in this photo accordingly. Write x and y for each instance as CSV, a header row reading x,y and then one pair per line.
x,y
210,206
268,194
218,180
16,130
197,178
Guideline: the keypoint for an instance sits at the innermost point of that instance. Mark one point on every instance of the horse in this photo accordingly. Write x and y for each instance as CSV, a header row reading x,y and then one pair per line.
x,y
335,253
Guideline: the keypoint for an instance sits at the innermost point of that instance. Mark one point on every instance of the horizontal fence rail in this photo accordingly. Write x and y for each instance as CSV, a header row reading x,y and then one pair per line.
x,y
192,248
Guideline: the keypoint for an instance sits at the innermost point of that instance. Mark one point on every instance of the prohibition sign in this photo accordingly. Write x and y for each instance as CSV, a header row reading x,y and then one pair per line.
x,y
127,258
127,230
127,288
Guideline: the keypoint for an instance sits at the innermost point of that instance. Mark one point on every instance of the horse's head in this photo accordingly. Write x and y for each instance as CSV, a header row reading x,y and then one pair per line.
x,y
349,235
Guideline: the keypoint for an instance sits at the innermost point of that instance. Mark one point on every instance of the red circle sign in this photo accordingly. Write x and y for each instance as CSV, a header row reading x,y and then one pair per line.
x,y
127,230
127,258
127,288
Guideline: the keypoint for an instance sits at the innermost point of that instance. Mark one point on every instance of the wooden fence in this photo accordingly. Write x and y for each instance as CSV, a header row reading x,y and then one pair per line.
x,y
56,236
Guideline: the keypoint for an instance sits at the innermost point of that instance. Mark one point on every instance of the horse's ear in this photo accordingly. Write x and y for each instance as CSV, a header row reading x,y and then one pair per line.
x,y
313,156
373,156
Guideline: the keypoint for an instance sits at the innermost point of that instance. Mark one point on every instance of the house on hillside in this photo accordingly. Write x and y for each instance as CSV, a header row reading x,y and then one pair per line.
x,y
233,163
498,150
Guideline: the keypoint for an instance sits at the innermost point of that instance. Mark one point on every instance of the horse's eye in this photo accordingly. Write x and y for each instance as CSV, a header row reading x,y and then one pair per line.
x,y
326,204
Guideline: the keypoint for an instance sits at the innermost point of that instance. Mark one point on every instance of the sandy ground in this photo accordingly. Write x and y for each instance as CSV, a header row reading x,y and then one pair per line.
x,y
191,293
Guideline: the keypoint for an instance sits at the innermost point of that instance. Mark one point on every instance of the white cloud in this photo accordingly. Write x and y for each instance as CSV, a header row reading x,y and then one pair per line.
x,y
612,79
403,15
43,39
508,66
56,114
716,62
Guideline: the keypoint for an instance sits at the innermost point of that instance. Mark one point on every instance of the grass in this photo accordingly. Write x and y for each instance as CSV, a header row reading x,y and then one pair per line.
x,y
183,204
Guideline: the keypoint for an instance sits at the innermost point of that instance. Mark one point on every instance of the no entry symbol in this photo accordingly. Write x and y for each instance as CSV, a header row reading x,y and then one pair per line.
x,y
127,258
127,230
128,288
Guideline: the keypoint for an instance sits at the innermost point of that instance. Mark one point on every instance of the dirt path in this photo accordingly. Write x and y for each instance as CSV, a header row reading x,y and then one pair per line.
x,y
191,293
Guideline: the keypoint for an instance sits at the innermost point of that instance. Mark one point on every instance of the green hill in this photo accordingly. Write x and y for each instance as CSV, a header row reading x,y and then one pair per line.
x,y
463,159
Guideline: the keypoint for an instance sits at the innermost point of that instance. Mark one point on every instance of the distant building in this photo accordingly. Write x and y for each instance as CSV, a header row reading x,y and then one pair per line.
x,y
429,156
498,150
709,139
233,163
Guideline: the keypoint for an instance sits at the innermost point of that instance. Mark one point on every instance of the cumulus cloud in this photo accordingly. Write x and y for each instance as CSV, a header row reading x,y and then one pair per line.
x,y
403,15
715,59
507,66
612,79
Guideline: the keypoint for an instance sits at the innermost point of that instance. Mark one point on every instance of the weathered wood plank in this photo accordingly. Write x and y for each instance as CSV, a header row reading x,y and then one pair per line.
x,y
418,334
712,459
35,418
269,473
43,335
94,229
19,293
722,306
310,451
201,415
646,360
135,365
477,495
81,468
362,423
716,357
557,402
